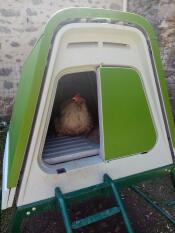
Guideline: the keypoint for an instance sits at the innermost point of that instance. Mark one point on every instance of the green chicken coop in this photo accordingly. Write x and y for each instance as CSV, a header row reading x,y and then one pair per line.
x,y
112,59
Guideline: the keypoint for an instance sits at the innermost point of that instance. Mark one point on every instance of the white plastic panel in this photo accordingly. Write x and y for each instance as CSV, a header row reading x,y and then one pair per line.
x,y
116,46
7,194
5,190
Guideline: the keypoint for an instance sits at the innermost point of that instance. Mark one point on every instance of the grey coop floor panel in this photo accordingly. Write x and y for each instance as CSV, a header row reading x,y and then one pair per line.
x,y
62,149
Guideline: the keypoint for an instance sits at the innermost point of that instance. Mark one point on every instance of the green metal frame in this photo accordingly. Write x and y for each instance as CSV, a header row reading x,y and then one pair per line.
x,y
119,202
103,189
154,204
119,209
33,76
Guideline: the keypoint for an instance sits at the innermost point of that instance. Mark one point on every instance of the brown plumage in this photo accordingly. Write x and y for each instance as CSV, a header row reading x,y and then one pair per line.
x,y
74,118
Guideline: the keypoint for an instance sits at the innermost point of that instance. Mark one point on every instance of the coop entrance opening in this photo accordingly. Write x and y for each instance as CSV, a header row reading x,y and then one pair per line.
x,y
73,131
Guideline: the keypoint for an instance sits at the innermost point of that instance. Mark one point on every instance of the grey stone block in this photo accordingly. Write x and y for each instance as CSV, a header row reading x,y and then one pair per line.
x,y
8,85
36,2
5,71
30,12
14,44
5,30
9,12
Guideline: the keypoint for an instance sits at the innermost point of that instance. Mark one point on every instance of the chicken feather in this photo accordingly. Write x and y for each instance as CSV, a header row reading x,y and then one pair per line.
x,y
74,118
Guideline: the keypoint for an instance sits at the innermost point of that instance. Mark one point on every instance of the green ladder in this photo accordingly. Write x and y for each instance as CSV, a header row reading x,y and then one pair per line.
x,y
119,209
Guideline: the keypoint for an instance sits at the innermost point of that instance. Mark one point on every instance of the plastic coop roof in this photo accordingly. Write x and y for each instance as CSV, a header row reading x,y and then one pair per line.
x,y
33,76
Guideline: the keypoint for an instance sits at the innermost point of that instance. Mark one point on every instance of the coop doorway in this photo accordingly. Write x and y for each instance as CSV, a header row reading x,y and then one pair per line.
x,y
60,148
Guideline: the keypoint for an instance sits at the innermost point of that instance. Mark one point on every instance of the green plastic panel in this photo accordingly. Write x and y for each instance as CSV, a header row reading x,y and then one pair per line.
x,y
23,111
33,75
127,124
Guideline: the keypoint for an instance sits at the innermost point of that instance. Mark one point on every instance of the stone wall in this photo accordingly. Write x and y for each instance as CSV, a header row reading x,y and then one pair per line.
x,y
161,13
21,23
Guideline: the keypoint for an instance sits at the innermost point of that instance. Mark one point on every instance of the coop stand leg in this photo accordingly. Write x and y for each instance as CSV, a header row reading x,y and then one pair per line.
x,y
16,223
154,204
119,202
172,203
173,177
64,212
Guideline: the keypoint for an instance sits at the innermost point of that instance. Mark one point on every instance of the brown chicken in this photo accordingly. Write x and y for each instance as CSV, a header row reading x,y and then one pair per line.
x,y
74,118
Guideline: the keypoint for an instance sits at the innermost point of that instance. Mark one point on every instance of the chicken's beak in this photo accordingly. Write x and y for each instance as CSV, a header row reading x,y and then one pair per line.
x,y
76,98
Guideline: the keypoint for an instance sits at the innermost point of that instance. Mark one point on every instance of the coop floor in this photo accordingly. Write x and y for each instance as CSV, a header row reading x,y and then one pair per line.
x,y
62,149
